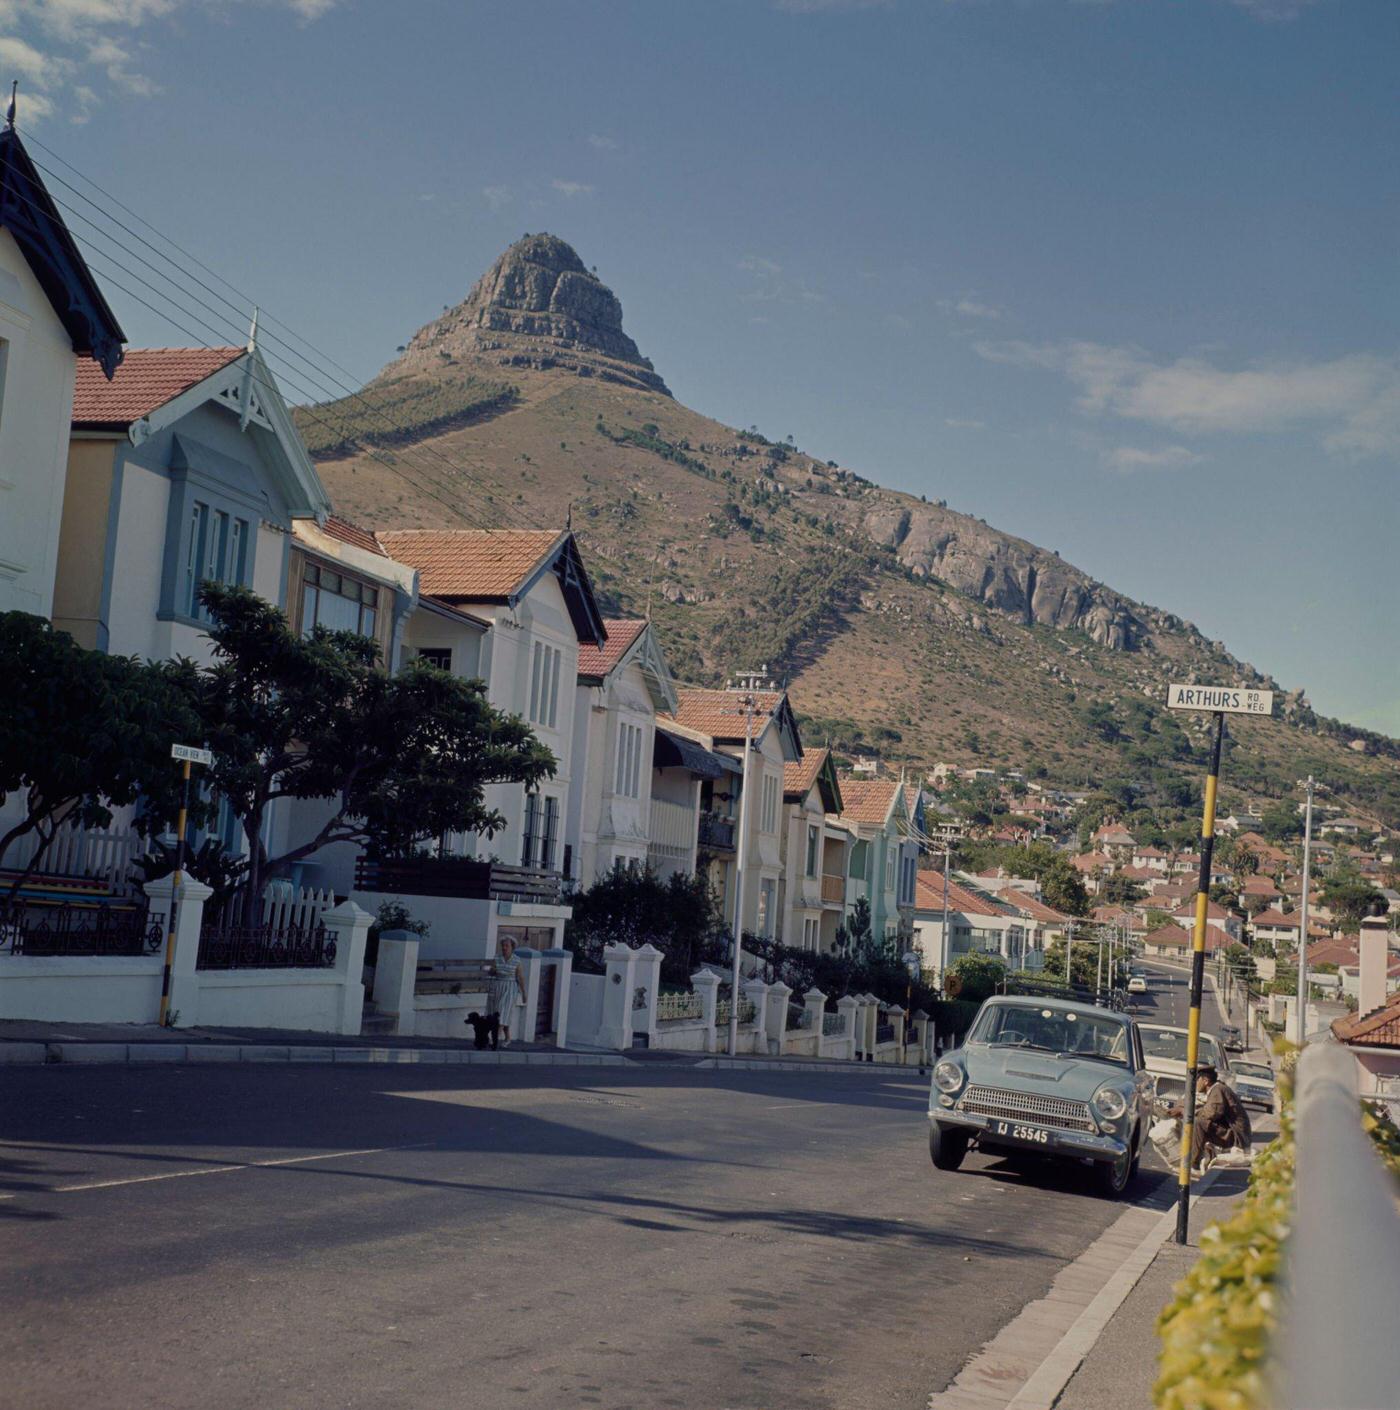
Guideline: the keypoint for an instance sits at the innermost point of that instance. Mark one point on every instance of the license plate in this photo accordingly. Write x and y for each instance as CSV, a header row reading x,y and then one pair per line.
x,y
1035,1134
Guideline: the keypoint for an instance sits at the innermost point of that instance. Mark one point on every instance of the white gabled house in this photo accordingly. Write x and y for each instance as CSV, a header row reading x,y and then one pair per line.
x,y
512,608
52,314
622,684
184,467
814,856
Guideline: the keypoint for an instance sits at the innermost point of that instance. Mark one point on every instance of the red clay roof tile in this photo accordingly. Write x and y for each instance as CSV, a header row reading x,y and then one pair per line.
x,y
146,379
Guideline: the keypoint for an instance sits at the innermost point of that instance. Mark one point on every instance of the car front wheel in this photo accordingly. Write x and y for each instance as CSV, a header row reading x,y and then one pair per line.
x,y
946,1146
1114,1176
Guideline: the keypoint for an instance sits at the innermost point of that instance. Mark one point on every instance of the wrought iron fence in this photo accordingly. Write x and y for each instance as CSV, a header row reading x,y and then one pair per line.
x,y
39,928
747,1012
671,1007
266,947
884,1033
798,1016
833,1024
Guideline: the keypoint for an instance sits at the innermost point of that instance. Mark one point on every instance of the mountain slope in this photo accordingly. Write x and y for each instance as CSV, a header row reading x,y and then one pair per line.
x,y
903,626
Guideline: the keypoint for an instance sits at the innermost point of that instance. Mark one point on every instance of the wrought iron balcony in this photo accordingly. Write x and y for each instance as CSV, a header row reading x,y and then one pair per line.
x,y
463,878
716,833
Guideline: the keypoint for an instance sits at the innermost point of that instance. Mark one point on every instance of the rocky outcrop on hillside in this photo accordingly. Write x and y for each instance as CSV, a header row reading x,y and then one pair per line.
x,y
537,306
1007,574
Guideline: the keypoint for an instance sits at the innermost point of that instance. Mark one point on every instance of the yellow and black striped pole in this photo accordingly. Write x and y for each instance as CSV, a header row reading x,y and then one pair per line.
x,y
1198,968
176,882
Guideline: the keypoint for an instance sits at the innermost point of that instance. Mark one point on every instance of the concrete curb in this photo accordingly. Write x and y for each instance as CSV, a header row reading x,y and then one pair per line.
x,y
1062,1327
35,1054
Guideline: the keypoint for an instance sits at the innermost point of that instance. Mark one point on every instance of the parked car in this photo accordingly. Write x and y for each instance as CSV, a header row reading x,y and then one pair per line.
x,y
1164,1049
1137,984
1045,1077
1231,1039
1255,1085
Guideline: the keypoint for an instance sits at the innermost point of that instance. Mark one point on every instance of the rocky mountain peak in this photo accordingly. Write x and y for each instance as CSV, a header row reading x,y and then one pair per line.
x,y
537,306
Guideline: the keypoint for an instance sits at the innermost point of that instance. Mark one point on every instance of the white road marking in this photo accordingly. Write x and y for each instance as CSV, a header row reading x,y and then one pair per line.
x,y
218,1169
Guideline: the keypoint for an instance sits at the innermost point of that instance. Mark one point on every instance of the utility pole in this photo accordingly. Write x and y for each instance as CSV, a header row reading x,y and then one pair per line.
x,y
1301,1006
739,875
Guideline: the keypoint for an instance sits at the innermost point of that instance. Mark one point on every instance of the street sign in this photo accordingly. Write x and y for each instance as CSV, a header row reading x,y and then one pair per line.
x,y
1226,699
190,755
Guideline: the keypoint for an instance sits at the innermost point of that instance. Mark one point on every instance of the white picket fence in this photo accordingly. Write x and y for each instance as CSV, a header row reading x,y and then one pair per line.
x,y
104,854
285,906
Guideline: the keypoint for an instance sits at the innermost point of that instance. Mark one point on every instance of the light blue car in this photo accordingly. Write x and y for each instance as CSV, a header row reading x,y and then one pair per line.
x,y
1045,1077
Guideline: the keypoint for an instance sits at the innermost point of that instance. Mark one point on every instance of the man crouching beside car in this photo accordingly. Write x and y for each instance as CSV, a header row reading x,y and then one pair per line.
x,y
1221,1122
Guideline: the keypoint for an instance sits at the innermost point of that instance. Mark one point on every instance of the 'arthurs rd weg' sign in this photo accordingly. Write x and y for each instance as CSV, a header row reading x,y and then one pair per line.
x,y
1228,699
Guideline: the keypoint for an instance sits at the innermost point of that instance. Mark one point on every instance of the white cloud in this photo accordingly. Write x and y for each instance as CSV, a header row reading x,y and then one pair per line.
x,y
971,308
571,188
1274,9
756,264
59,47
819,7
959,424
1130,458
1351,402
497,197
602,142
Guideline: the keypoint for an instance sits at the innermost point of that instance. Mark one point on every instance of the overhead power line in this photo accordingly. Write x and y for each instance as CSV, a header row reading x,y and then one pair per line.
x,y
323,385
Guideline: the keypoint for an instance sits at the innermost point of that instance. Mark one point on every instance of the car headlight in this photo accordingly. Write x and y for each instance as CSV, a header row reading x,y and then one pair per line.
x,y
947,1076
1110,1103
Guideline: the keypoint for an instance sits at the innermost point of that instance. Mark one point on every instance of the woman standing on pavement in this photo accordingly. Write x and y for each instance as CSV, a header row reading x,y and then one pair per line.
x,y
507,987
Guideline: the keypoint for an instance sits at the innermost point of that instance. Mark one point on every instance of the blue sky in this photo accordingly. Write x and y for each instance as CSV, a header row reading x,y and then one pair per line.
x,y
1120,276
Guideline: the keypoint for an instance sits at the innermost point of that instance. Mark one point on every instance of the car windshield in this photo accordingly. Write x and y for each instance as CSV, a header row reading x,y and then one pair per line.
x,y
1256,1070
1067,1032
1170,1045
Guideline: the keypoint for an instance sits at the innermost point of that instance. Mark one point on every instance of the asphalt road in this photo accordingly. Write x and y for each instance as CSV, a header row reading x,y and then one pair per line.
x,y
532,1237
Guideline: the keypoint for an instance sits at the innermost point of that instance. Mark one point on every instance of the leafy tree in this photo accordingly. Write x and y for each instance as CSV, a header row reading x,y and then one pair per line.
x,y
1349,898
974,977
1241,961
1281,822
1120,891
681,916
399,759
82,733
1083,966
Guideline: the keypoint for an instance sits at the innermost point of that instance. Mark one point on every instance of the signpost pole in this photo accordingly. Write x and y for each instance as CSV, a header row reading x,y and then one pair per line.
x,y
1198,965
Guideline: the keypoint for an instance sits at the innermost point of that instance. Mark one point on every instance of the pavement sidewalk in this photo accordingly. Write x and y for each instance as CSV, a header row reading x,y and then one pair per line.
x,y
1120,1369
29,1043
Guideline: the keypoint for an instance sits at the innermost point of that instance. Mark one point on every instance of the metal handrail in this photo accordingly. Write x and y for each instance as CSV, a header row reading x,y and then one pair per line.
x,y
1339,1348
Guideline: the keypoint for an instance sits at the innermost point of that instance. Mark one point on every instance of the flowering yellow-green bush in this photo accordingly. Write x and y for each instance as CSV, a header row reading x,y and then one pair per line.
x,y
1217,1329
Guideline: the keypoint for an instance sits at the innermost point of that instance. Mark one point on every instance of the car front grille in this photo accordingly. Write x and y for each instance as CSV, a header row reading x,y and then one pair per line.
x,y
1028,1106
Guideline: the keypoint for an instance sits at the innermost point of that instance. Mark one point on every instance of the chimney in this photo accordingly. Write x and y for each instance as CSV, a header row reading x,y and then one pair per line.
x,y
1375,960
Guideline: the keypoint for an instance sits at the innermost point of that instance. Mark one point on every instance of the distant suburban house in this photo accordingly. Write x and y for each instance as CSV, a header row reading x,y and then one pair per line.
x,y
1277,928
1217,918
52,316
978,923
184,467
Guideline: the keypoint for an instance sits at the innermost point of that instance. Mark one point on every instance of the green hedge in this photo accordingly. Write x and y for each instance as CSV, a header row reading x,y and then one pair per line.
x,y
1216,1332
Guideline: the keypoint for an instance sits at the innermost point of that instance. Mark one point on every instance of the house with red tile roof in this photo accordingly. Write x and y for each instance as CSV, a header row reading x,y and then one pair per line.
x,y
1217,918
52,317
515,609
752,725
978,922
1277,927
884,815
183,467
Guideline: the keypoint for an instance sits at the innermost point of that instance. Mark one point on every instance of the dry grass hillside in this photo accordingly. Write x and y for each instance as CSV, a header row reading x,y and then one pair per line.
x,y
902,627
